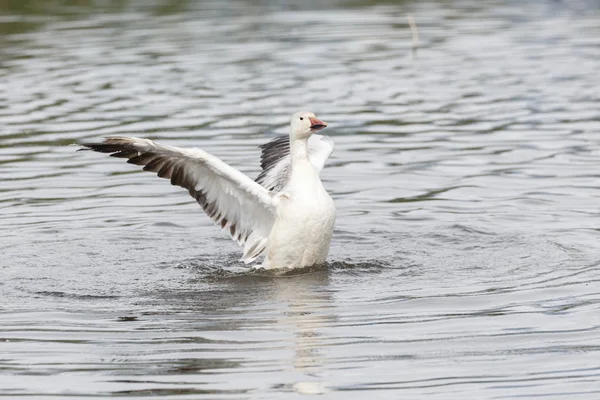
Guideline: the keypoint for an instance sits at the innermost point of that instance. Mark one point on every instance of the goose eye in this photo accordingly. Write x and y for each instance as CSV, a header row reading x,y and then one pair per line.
x,y
301,119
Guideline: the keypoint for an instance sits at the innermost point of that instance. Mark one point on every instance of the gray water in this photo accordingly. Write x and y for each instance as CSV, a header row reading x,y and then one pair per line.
x,y
466,256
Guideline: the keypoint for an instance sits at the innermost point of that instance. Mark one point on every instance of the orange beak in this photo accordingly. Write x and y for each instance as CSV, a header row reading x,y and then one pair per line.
x,y
317,124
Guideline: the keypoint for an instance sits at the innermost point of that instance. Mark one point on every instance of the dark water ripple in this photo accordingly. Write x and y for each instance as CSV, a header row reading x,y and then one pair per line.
x,y
466,255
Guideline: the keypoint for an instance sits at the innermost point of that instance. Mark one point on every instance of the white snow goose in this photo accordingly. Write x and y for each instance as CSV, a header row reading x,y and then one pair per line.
x,y
285,215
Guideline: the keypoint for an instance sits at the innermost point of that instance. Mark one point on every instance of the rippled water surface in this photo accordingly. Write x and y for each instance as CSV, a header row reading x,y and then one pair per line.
x,y
466,257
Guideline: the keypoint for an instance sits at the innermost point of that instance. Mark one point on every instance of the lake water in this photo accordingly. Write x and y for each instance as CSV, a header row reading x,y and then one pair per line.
x,y
465,262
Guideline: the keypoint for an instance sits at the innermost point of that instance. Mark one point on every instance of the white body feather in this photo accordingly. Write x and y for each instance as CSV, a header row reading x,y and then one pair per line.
x,y
304,221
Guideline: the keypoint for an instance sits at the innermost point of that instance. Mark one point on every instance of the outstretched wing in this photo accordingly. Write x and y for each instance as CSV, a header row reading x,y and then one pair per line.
x,y
230,198
276,162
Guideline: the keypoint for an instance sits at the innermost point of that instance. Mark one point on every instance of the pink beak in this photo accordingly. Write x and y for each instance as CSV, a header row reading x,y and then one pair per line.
x,y
317,124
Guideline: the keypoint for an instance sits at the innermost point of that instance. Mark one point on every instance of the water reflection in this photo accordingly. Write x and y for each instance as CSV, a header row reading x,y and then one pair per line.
x,y
309,307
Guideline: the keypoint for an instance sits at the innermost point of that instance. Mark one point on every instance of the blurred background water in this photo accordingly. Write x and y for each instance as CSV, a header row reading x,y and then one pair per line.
x,y
465,262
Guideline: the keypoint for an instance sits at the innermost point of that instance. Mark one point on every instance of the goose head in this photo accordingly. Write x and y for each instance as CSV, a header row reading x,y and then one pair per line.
x,y
304,124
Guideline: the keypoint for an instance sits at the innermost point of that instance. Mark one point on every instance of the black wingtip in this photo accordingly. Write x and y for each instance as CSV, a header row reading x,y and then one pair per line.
x,y
86,146
276,142
102,147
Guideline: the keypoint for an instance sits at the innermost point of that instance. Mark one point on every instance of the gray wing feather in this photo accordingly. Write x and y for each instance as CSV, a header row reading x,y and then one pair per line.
x,y
276,163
